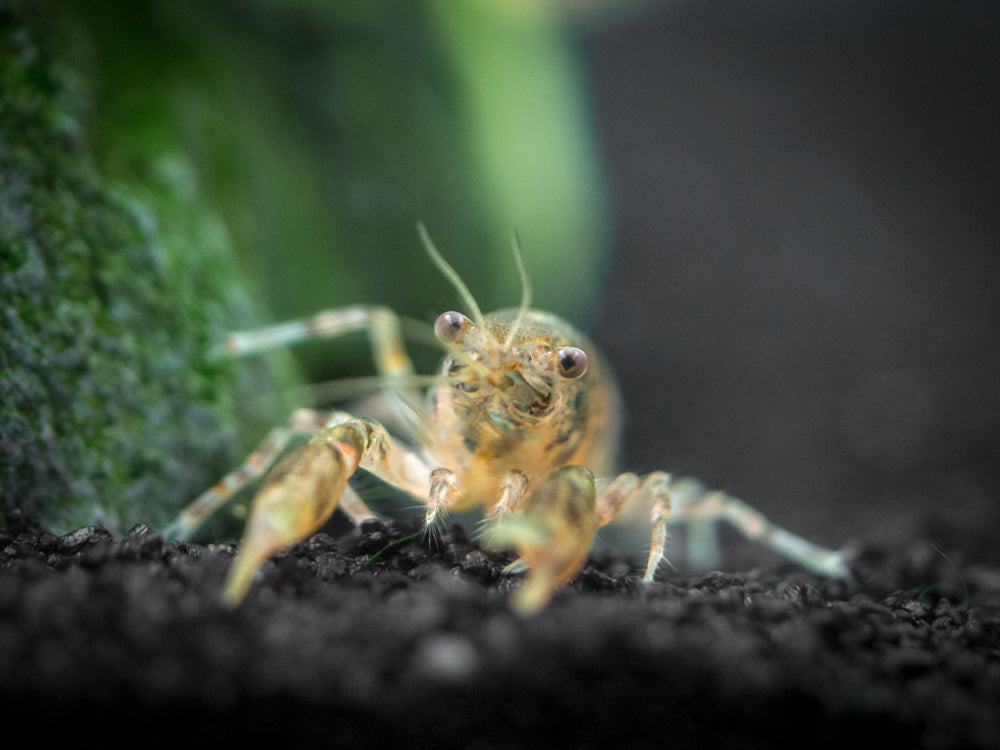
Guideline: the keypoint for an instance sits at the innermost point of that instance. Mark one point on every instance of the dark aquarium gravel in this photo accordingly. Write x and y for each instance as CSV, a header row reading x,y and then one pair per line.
x,y
109,638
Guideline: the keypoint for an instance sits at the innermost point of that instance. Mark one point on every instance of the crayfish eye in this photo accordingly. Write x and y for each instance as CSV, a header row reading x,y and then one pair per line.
x,y
451,327
571,362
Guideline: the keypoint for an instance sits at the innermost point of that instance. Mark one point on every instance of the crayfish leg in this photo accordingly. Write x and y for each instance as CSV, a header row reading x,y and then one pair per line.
x,y
685,501
653,492
703,512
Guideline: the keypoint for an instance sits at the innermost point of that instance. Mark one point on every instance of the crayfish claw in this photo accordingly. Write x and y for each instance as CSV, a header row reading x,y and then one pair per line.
x,y
299,495
551,536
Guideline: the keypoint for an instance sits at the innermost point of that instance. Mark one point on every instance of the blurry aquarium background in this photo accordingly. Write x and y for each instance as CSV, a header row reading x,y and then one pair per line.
x,y
803,304
323,131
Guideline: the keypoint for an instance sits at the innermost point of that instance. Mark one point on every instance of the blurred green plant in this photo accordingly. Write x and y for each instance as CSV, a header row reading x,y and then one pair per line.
x,y
143,143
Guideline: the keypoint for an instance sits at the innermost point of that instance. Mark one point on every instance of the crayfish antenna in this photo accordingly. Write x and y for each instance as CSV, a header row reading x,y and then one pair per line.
x,y
450,274
525,305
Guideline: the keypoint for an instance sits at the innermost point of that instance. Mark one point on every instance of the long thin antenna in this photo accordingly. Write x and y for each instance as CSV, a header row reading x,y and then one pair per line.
x,y
451,274
525,305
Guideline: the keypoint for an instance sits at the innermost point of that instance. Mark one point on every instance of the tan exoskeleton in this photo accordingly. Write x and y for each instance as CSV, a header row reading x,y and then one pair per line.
x,y
521,422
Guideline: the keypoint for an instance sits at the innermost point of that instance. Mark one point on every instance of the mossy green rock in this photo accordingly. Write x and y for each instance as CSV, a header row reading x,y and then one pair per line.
x,y
113,407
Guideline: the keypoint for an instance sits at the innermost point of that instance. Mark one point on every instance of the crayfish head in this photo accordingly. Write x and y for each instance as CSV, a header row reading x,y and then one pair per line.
x,y
513,365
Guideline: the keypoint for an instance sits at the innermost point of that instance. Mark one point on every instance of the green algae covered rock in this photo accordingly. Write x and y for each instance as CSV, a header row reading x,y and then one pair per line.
x,y
113,296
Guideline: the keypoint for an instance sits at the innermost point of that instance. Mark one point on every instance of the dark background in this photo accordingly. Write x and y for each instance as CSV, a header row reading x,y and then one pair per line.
x,y
802,300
